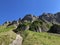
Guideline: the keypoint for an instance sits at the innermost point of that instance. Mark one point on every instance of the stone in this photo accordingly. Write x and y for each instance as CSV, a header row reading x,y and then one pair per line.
x,y
29,18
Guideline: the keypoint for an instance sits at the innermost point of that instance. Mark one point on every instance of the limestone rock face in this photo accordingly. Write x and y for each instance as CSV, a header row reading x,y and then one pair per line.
x,y
52,18
36,22
57,17
38,29
47,17
38,26
29,18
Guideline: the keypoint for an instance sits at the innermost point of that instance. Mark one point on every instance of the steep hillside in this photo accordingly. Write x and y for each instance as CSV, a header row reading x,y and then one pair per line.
x,y
43,38
6,35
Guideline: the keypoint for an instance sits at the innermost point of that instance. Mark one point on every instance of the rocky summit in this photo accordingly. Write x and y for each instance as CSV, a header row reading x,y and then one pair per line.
x,y
29,18
52,18
40,23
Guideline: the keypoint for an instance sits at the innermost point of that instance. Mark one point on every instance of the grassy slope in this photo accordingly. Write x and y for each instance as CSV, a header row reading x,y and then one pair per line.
x,y
34,38
6,35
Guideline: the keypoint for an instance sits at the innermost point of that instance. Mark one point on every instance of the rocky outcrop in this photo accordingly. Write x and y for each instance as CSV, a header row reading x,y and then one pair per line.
x,y
22,26
38,26
29,18
52,18
57,17
47,17
36,22
14,22
7,23
36,29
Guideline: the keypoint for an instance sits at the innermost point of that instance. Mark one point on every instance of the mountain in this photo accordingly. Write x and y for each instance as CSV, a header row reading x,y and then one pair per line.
x,y
32,30
40,23
52,18
47,17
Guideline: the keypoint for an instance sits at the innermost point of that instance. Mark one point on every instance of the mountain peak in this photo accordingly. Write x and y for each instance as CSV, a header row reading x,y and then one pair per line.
x,y
29,18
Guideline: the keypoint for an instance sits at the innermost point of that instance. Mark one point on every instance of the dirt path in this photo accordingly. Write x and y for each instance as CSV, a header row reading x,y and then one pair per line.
x,y
17,41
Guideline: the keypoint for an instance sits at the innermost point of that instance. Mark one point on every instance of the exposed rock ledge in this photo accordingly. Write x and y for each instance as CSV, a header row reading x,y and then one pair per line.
x,y
17,41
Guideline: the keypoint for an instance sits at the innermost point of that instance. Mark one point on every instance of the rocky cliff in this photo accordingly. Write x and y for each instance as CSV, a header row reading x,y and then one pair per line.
x,y
40,23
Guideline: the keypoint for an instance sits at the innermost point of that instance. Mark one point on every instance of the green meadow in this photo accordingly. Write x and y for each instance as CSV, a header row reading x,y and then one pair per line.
x,y
6,35
43,38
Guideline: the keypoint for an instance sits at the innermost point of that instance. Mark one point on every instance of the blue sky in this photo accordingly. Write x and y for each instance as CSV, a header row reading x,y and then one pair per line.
x,y
14,9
